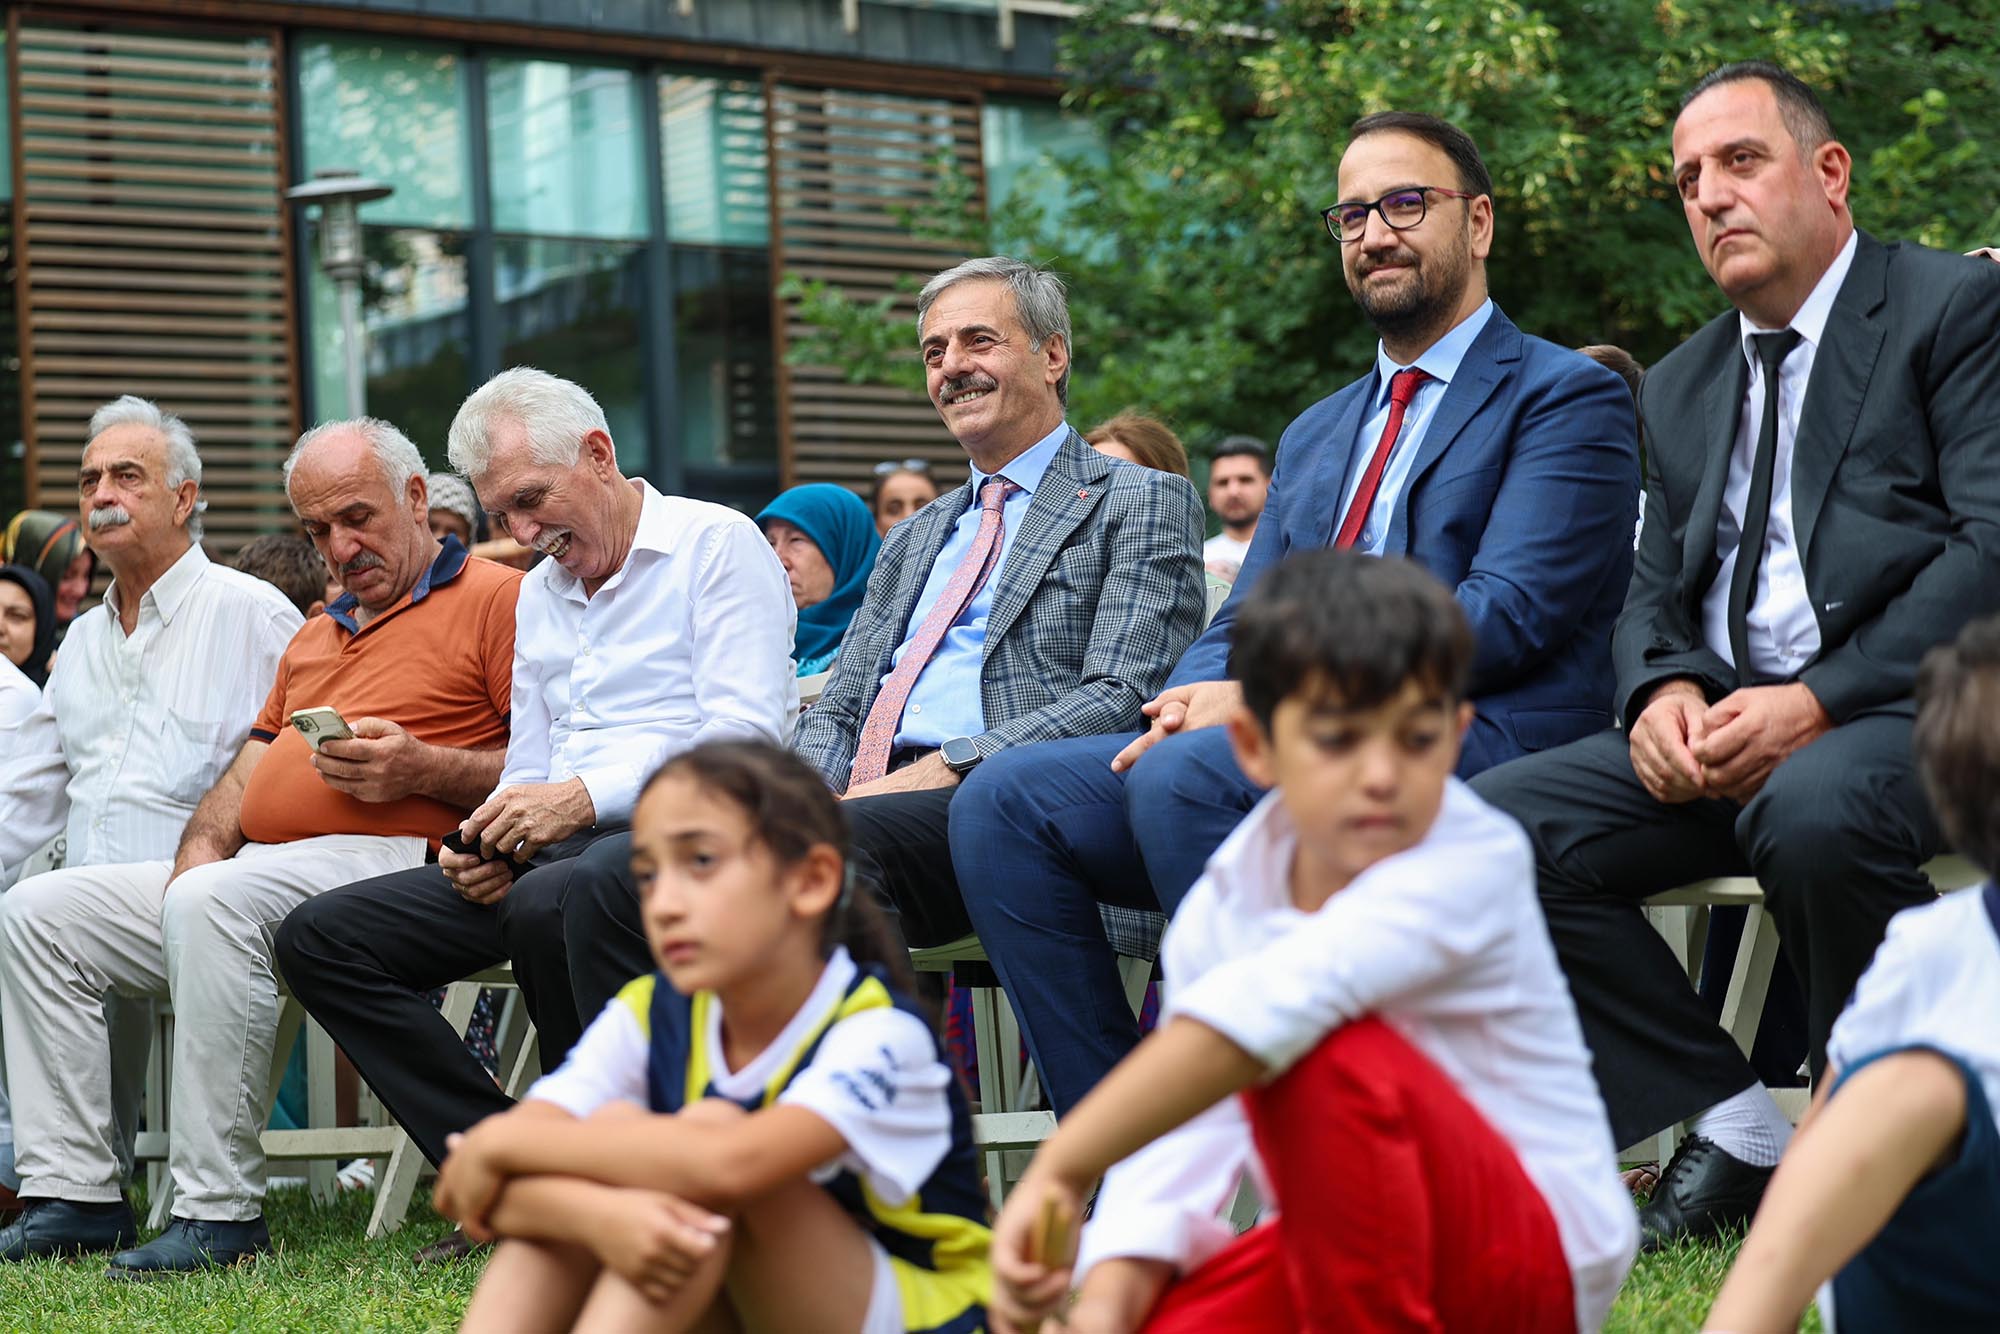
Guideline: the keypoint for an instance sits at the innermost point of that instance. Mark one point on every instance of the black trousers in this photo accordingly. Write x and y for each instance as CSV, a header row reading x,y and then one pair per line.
x,y
360,959
1836,837
902,850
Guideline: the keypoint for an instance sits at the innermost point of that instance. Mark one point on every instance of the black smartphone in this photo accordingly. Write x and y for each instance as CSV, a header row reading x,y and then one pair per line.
x,y
456,842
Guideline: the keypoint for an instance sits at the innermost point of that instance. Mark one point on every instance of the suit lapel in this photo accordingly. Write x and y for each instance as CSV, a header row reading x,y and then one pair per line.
x,y
1842,365
1326,489
1721,408
1479,373
1061,503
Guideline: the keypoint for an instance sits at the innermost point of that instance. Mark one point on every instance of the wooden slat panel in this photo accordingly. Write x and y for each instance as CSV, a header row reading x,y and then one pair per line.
x,y
129,129
162,282
106,102
842,166
139,217
108,63
153,252
115,86
161,259
73,39
102,146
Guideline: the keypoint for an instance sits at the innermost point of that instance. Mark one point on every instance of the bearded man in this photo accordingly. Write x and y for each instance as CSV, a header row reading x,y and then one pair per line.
x,y
1505,465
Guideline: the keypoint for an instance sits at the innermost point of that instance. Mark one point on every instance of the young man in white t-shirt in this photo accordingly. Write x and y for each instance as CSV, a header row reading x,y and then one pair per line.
x,y
1888,1201
1239,480
1365,963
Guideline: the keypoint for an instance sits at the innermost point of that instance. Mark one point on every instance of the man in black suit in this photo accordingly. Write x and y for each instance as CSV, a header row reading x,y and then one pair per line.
x,y
1800,553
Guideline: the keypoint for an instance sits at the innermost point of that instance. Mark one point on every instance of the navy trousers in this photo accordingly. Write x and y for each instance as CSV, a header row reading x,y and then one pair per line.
x,y
1040,835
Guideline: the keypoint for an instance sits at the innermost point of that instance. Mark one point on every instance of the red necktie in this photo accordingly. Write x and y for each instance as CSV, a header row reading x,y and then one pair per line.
x,y
878,733
1402,388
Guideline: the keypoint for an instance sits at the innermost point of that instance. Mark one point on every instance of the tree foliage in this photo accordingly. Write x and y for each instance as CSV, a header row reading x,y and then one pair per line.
x,y
1205,289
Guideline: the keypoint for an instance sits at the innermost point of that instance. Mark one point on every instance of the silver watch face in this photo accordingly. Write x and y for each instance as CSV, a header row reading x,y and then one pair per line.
x,y
960,753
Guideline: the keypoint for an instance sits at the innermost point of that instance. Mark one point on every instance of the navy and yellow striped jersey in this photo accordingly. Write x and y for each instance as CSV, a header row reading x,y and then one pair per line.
x,y
937,1239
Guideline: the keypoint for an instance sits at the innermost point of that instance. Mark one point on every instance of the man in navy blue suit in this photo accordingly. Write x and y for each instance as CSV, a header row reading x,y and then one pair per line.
x,y
1505,465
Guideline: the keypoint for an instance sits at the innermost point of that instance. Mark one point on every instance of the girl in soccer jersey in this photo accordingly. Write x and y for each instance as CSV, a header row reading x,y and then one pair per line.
x,y
762,1134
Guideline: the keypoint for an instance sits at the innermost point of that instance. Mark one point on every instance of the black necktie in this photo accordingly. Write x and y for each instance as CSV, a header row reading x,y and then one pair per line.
x,y
1772,349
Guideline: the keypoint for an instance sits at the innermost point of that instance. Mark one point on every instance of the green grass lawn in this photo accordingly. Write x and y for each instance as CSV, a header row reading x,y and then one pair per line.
x,y
324,1277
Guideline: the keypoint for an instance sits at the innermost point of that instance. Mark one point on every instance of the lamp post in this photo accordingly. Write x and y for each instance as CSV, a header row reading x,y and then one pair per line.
x,y
340,192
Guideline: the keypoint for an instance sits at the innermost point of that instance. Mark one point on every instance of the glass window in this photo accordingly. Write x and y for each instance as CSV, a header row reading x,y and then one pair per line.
x,y
413,309
1024,144
573,309
565,149
394,111
712,154
722,341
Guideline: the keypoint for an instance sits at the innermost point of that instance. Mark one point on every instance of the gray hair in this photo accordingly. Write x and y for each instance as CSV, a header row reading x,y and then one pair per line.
x,y
183,464
1040,300
556,414
399,458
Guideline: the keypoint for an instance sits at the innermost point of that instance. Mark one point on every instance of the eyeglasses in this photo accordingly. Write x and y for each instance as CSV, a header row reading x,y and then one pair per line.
x,y
1401,209
887,466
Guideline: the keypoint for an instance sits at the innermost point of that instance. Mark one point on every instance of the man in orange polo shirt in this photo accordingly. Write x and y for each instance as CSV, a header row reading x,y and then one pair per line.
x,y
417,658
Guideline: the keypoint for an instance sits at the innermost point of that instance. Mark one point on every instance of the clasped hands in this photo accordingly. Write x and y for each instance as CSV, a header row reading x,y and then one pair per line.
x,y
1684,748
517,822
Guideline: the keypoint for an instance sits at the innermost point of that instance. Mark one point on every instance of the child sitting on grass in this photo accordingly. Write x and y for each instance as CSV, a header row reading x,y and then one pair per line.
x,y
1365,963
763,1134
1888,1201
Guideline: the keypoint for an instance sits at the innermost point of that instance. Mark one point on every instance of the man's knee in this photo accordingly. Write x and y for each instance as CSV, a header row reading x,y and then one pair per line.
x,y
530,913
1815,822
1191,769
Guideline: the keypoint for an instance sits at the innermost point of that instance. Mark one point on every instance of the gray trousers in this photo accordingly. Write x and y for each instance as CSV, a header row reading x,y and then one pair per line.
x,y
69,937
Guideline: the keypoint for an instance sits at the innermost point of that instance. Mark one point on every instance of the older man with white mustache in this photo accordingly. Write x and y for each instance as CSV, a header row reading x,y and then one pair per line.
x,y
150,700
655,623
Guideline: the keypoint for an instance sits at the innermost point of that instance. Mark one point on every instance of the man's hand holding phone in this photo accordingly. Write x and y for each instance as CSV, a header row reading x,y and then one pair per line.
x,y
375,761
479,878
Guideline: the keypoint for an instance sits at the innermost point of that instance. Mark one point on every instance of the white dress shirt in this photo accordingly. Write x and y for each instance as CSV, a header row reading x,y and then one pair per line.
x,y
145,723
1444,942
690,641
27,739
1783,633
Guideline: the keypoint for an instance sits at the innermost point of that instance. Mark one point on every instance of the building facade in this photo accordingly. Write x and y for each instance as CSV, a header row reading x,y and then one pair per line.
x,y
613,190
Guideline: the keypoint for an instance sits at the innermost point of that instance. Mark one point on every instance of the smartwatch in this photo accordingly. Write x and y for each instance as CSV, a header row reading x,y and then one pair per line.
x,y
960,755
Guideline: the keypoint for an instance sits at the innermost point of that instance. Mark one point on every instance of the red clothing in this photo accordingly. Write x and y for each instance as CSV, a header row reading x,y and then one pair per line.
x,y
440,664
1400,1209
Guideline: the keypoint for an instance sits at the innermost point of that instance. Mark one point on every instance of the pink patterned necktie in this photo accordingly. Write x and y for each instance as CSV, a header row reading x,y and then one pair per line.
x,y
878,734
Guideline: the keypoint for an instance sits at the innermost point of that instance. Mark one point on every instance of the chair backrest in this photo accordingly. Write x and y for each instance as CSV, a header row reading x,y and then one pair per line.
x,y
811,688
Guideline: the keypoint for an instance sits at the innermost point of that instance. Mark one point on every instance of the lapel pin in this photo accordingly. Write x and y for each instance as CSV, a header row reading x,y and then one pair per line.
x,y
1083,495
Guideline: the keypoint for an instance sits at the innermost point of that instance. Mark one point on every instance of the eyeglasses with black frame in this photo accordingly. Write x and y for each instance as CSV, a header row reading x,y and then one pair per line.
x,y
1401,209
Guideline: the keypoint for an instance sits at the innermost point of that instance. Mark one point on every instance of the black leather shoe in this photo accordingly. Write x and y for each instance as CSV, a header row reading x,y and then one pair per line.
x,y
191,1244
58,1227
1703,1192
454,1245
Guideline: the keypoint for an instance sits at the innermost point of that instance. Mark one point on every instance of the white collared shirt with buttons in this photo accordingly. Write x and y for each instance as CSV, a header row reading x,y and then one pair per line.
x,y
1782,632
147,722
690,641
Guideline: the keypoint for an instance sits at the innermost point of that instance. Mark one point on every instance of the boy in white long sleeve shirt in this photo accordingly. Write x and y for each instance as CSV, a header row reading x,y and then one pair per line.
x,y
1366,964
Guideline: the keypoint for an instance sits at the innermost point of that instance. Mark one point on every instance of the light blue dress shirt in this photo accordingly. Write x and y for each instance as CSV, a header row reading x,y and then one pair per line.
x,y
1441,362
945,701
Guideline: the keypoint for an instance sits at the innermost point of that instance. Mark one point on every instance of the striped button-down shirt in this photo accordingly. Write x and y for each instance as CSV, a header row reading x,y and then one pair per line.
x,y
147,722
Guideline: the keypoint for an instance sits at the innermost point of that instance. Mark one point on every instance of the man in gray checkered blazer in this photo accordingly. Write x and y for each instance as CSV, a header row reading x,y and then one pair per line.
x,y
1048,597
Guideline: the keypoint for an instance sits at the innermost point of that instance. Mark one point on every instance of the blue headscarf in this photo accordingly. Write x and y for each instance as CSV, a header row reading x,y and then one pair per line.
x,y
840,525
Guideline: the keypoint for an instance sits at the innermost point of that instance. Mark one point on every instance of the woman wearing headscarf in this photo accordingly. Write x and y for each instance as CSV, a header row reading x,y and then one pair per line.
x,y
52,545
825,538
27,622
